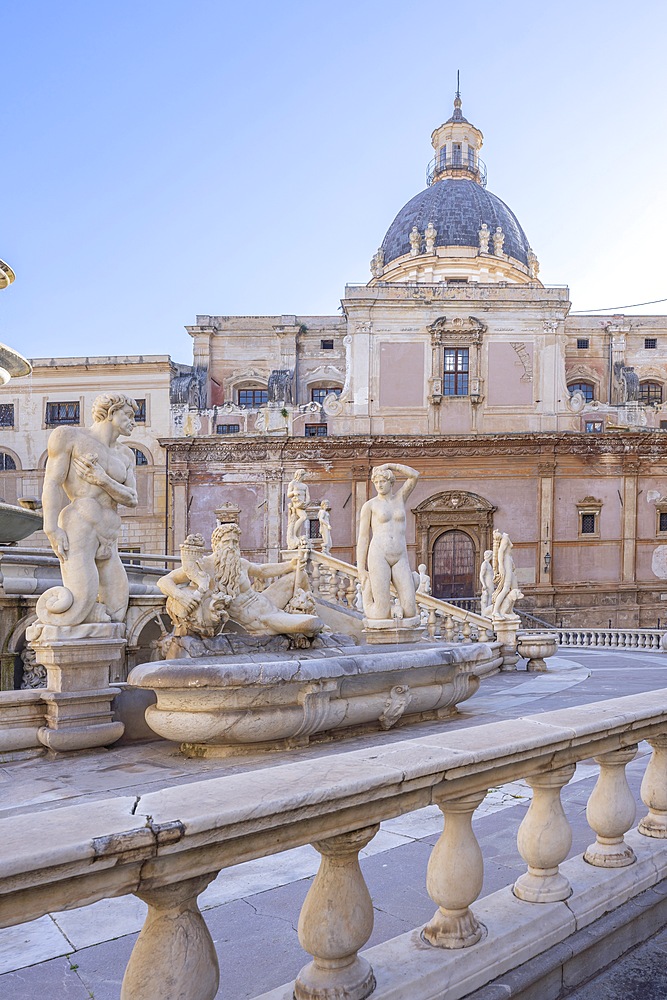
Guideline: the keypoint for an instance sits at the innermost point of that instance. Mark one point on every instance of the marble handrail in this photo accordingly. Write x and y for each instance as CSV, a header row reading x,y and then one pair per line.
x,y
606,638
335,580
165,846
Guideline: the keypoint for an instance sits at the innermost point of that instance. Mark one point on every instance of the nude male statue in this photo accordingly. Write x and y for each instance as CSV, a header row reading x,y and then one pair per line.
x,y
298,498
232,593
91,470
382,555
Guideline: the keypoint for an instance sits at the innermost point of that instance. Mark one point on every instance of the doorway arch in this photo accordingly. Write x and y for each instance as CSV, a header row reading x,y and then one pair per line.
x,y
453,565
454,510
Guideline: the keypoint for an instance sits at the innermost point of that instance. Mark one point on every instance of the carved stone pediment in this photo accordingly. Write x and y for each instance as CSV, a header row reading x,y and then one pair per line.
x,y
459,330
455,500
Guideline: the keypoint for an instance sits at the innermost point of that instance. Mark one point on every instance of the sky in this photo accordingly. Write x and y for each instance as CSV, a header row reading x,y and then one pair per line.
x,y
162,160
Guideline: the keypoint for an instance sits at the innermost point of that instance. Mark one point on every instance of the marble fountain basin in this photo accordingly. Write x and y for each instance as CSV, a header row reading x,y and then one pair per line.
x,y
220,705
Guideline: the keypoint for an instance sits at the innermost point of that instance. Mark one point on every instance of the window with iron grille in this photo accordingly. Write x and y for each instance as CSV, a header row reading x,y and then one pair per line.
x,y
588,525
662,520
594,426
327,345
250,399
140,415
314,528
587,388
582,343
7,463
227,428
139,457
650,392
319,393
316,430
455,376
650,343
62,413
6,414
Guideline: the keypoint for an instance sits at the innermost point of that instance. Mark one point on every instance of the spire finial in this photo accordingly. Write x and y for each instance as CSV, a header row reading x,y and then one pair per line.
x,y
458,115
458,84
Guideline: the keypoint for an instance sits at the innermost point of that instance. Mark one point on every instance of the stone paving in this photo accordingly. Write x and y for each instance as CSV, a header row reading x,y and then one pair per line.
x,y
82,953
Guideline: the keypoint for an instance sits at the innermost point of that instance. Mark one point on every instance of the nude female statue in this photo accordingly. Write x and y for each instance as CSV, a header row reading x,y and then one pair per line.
x,y
507,591
382,555
88,473
298,498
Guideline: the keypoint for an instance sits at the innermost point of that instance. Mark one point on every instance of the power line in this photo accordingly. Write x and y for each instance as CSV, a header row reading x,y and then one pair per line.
x,y
635,305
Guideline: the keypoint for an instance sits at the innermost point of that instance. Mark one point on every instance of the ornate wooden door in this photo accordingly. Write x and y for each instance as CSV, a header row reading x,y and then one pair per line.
x,y
453,566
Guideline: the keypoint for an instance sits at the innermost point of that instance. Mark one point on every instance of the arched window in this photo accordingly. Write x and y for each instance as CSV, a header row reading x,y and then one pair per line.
x,y
650,392
139,457
7,463
587,388
318,393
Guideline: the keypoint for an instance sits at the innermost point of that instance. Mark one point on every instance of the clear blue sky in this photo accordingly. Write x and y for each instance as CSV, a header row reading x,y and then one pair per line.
x,y
162,159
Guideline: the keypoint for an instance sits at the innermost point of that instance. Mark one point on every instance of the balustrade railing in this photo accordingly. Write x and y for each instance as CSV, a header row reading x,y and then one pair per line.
x,y
606,638
336,581
167,845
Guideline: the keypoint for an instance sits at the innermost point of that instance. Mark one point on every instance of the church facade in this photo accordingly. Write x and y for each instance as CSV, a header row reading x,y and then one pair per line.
x,y
456,358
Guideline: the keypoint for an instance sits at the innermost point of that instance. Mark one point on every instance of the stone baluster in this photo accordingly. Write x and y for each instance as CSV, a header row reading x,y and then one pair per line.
x,y
333,585
336,921
315,577
351,591
490,634
454,877
432,623
654,791
466,632
174,957
544,840
449,625
611,811
341,589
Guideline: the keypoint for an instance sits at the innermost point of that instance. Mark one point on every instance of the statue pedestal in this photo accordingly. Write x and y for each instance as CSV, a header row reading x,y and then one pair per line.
x,y
506,632
78,697
379,631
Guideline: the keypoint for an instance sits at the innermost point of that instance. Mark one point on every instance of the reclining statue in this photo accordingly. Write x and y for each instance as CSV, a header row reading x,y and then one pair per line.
x,y
206,591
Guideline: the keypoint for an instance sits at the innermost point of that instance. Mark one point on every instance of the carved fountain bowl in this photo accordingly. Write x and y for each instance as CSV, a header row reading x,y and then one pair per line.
x,y
536,648
221,705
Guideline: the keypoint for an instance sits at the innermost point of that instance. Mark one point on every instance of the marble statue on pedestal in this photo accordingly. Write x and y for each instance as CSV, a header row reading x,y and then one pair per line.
x,y
498,241
88,473
430,235
298,498
484,237
486,580
422,580
415,242
382,555
208,590
507,590
325,525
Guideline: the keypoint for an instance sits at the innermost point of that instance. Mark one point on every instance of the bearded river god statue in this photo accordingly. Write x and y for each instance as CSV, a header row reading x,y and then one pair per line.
x,y
210,589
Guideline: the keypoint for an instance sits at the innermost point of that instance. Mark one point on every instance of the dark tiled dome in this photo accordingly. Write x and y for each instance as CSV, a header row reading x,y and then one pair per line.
x,y
457,208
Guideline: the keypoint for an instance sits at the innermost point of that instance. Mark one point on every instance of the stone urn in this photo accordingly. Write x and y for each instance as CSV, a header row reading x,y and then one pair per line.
x,y
536,648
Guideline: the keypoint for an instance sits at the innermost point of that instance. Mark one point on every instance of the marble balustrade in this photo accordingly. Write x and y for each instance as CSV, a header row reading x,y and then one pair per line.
x,y
606,638
165,846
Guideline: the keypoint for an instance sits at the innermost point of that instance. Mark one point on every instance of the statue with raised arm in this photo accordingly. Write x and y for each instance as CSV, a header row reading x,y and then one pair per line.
x,y
203,594
88,474
382,554
298,498
507,590
486,581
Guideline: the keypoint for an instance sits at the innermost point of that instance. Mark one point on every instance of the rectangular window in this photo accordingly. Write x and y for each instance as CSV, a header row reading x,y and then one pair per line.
x,y
662,520
443,157
140,415
320,393
125,556
250,399
588,526
316,430
650,343
663,425
327,345
227,428
6,414
594,426
471,157
582,343
62,413
457,156
455,376
314,528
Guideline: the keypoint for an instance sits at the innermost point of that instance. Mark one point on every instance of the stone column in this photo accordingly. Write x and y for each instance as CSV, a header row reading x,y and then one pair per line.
x,y
274,516
78,661
360,474
336,921
174,957
544,840
654,791
178,481
546,472
454,877
506,630
629,522
611,811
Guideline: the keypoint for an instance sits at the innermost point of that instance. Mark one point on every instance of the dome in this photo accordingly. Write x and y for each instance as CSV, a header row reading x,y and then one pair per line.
x,y
457,207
